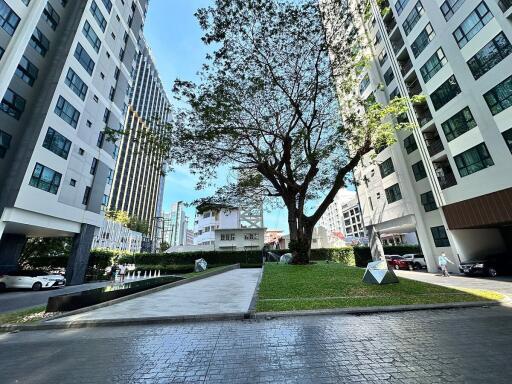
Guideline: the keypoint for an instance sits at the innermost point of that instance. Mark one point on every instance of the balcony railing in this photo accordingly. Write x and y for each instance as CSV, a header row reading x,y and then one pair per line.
x,y
423,115
505,5
447,180
397,45
405,66
390,25
435,146
414,88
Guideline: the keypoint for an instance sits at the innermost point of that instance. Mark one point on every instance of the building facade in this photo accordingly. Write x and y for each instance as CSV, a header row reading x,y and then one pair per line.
x,y
212,217
65,73
139,173
176,223
448,181
114,236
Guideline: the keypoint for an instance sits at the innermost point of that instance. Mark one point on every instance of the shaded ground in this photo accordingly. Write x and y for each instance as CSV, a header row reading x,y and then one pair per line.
x,y
443,346
319,286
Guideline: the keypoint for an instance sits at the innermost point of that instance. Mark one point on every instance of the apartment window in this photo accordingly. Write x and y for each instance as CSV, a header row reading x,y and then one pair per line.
x,y
112,93
227,236
87,195
72,182
364,83
418,169
13,104
39,42
499,98
389,76
472,24
440,237
110,176
378,38
45,179
9,20
383,56
395,93
251,236
5,142
2,51
423,39
107,4
458,124
449,7
76,84
433,65
106,115
57,143
51,16
27,71
98,16
115,152
386,168
400,5
410,144
428,201
446,92
117,71
413,18
473,160
94,166
101,139
393,193
67,112
91,36
84,59
489,56
507,135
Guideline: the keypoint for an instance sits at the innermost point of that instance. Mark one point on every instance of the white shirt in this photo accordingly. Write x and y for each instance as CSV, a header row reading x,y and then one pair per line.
x,y
122,269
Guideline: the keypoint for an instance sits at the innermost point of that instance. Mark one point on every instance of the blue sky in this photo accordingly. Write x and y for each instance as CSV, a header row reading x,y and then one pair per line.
x,y
174,36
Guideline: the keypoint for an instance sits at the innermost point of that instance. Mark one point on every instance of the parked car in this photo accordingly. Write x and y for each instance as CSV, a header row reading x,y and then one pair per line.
x,y
500,264
417,260
35,280
398,262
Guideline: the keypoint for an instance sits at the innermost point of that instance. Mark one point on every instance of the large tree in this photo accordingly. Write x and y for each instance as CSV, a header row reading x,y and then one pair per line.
x,y
268,106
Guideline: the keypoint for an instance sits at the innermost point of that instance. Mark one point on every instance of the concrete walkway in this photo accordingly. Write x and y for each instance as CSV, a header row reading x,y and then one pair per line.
x,y
228,293
501,285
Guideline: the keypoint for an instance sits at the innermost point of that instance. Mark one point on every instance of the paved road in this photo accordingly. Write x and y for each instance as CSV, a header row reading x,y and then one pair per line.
x,y
443,346
226,293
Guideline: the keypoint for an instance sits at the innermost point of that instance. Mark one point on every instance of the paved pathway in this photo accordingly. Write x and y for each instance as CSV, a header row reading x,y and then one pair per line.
x,y
229,292
501,285
442,346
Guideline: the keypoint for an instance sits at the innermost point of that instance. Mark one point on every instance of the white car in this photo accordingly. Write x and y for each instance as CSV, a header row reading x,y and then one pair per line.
x,y
35,280
417,260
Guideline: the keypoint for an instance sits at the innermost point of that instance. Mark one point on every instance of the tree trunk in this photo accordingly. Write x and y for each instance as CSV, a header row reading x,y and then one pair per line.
x,y
300,244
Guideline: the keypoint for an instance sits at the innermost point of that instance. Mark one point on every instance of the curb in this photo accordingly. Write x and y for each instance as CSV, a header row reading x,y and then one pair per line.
x,y
255,295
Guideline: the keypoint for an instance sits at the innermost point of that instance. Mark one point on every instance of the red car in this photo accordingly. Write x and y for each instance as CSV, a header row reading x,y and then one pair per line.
x,y
398,262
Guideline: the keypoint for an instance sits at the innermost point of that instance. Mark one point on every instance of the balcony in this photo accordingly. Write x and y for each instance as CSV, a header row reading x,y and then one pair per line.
x,y
423,114
433,141
414,87
405,66
397,45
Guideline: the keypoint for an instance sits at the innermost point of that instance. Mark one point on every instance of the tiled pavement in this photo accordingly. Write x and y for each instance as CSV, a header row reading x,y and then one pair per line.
x,y
443,346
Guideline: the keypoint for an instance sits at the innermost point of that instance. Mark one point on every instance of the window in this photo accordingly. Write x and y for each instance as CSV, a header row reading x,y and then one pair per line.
x,y
115,152
386,168
39,42
433,65
400,5
489,56
110,176
472,24
50,16
251,236
418,169
507,135
57,143
499,98
27,71
383,56
458,124
106,115
72,182
87,194
107,4
83,58
446,92
98,16
76,84
410,144
428,201
473,160
9,20
2,51
395,93
423,39
378,38
227,236
94,166
440,237
413,18
449,7
104,202
5,142
393,193
112,93
67,112
45,179
389,76
101,139
13,104
364,83
91,36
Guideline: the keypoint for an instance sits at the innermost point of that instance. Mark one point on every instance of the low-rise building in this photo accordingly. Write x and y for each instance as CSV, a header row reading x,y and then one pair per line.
x,y
114,236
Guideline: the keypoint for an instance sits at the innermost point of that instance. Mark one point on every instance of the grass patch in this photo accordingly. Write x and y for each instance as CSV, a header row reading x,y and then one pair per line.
x,y
24,316
330,285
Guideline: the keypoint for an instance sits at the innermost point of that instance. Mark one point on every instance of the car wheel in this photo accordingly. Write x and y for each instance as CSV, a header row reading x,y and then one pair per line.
x,y
37,286
3,287
417,265
491,272
411,267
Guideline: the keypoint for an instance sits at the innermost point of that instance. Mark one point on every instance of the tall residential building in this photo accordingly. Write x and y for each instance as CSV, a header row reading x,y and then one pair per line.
x,y
176,223
65,72
450,180
138,178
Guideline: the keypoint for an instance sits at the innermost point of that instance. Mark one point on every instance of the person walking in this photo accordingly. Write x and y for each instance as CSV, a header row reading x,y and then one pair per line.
x,y
122,272
113,272
443,264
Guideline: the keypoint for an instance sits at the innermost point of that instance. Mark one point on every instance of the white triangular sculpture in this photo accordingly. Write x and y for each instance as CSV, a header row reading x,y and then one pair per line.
x,y
378,272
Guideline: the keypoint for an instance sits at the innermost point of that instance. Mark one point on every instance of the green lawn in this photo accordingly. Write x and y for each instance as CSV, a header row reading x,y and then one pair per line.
x,y
23,316
321,285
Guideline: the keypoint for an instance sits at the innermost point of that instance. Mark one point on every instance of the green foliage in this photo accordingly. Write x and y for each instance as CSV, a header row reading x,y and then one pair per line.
x,y
131,222
38,248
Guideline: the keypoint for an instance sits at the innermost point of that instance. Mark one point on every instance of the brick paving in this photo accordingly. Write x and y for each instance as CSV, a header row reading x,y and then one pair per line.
x,y
442,346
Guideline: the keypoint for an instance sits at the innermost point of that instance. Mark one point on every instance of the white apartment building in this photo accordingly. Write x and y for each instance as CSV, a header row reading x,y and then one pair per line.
x,y
212,217
176,225
450,180
114,236
65,74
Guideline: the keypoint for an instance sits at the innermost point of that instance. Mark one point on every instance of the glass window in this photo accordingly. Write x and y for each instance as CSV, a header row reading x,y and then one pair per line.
x,y
83,58
13,104
67,112
410,144
395,93
45,179
9,20
499,98
76,84
472,24
27,71
433,65
428,201
423,39
39,42
51,16
473,160
458,124
386,168
364,83
5,142
94,166
418,169
57,143
489,56
389,76
1,52
98,16
383,56
101,139
507,135
440,237
87,194
393,193
449,7
400,5
413,18
91,36
107,4
446,92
